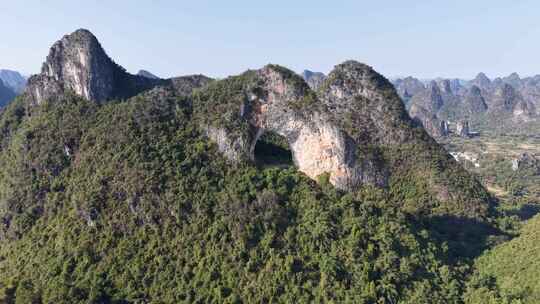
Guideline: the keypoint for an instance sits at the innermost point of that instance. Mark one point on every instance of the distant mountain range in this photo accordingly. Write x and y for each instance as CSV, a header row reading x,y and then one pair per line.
x,y
501,104
504,104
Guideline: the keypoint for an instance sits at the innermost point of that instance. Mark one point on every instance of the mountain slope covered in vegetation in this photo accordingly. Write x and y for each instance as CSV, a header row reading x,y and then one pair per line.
x,y
509,272
143,208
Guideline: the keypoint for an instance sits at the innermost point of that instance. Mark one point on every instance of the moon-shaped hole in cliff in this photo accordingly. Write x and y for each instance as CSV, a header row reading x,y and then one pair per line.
x,y
273,149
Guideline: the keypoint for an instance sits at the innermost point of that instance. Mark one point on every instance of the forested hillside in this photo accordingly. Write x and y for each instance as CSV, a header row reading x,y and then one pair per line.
x,y
127,202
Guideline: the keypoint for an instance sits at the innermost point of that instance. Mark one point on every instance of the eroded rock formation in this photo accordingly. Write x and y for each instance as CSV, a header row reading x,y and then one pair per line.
x,y
474,102
526,160
430,99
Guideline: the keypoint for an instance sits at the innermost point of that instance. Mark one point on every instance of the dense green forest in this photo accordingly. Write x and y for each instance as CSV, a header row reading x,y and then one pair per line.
x,y
510,272
128,202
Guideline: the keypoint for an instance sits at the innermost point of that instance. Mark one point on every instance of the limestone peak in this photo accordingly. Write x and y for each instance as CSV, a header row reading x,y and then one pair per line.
x,y
78,63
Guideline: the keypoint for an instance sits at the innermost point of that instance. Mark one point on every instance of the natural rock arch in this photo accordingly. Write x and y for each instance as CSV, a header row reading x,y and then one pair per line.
x,y
285,105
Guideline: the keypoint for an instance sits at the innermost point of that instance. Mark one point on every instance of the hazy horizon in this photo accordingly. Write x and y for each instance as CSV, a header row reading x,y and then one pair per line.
x,y
419,38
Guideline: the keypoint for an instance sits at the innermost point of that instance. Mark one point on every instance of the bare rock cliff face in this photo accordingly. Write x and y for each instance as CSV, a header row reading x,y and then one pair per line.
x,y
77,63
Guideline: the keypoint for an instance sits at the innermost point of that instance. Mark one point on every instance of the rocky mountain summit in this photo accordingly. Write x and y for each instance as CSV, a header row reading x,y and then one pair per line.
x,y
481,80
11,84
77,63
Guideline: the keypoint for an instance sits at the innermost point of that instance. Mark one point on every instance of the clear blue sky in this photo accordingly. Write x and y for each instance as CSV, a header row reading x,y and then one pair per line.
x,y
218,38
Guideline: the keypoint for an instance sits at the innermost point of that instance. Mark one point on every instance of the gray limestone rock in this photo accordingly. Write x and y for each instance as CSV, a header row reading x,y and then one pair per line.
x,y
430,99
